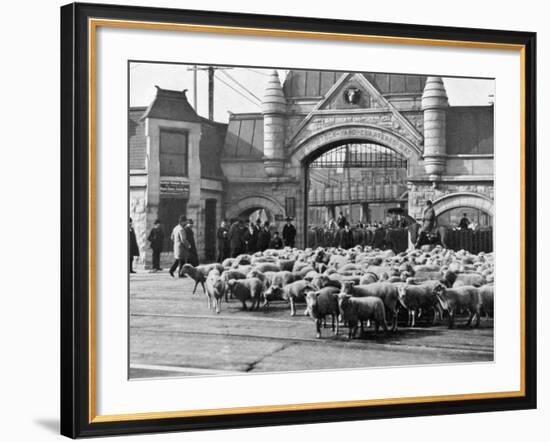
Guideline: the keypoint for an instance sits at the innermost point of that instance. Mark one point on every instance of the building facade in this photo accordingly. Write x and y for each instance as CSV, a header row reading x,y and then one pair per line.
x,y
324,142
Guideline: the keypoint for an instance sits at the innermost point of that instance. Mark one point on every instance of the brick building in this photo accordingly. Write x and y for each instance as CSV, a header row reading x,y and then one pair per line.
x,y
324,142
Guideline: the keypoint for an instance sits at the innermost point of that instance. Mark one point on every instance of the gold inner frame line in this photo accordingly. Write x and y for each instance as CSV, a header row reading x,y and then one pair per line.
x,y
93,24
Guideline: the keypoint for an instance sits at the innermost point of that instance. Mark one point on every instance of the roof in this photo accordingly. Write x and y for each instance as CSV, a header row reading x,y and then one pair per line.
x,y
302,83
245,136
137,142
171,105
470,130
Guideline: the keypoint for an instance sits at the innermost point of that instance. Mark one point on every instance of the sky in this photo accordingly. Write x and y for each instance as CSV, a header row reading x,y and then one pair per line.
x,y
243,94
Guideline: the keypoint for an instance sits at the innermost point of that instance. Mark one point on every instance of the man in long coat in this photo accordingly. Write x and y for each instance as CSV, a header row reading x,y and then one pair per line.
x,y
289,233
193,255
235,237
134,249
156,239
346,238
264,237
428,223
223,241
181,245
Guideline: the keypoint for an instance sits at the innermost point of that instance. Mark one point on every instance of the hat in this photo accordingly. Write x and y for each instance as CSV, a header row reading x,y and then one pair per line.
x,y
289,218
182,219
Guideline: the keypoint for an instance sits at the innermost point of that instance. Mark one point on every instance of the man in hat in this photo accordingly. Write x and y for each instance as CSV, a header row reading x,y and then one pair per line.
x,y
289,233
193,256
223,241
156,239
264,237
235,237
181,245
464,223
134,249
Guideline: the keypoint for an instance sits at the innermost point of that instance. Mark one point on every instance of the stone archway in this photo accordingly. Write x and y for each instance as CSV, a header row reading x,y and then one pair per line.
x,y
333,135
463,199
252,202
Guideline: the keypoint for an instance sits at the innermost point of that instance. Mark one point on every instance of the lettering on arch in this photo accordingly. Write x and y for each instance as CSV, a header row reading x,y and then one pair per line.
x,y
355,132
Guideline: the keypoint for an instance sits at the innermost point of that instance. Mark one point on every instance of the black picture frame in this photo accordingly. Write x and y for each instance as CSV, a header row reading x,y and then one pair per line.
x,y
75,220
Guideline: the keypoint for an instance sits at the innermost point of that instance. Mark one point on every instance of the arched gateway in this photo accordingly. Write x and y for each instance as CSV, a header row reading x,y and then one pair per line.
x,y
356,169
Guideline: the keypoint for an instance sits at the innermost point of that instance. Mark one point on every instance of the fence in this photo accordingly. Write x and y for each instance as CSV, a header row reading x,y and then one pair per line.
x,y
397,239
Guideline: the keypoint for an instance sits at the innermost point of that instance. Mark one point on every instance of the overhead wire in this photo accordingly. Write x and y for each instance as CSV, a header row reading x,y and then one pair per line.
x,y
240,84
236,90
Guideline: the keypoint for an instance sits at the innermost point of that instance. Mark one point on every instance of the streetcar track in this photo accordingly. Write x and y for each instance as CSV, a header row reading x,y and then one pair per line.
x,y
331,342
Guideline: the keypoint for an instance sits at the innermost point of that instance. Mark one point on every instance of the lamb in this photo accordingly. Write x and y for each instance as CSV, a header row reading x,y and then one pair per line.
x,y
354,310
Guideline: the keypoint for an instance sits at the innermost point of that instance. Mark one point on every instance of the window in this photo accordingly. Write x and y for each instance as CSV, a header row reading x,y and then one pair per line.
x,y
173,153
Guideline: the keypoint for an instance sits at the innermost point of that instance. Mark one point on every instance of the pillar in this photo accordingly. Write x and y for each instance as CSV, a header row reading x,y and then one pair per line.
x,y
273,110
434,105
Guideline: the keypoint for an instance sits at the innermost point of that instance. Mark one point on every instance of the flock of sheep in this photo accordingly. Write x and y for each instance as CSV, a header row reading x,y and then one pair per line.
x,y
358,287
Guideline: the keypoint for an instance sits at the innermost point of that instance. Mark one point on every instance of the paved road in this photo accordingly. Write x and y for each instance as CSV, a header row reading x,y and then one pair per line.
x,y
172,333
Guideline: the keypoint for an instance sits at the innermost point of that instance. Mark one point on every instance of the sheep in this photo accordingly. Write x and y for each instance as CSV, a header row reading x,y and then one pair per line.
x,y
231,274
215,289
247,289
416,298
322,303
197,274
383,290
487,295
454,299
296,291
354,310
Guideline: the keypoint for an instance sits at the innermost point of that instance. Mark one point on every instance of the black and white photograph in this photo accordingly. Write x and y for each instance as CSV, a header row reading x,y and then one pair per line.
x,y
285,219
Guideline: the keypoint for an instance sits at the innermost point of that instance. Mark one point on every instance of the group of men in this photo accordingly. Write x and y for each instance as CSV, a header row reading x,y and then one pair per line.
x,y
183,237
239,238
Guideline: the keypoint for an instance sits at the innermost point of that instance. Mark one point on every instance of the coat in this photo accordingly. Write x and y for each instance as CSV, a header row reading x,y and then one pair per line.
x,y
264,238
235,236
223,242
346,239
156,238
181,245
134,249
428,220
289,234
193,256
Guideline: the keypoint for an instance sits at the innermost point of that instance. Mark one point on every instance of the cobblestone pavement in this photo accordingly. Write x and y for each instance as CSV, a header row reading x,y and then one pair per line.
x,y
173,333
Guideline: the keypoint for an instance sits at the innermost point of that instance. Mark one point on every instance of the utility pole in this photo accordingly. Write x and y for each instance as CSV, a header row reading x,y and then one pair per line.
x,y
211,70
210,92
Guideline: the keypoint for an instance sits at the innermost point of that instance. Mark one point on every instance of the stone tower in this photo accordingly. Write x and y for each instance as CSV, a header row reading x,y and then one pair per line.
x,y
273,110
434,105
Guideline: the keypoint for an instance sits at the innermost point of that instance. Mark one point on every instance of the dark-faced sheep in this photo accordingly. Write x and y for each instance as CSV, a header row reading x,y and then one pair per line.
x,y
247,289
